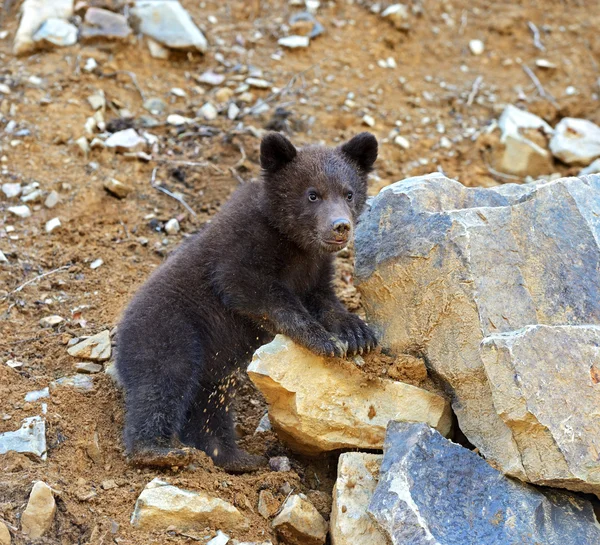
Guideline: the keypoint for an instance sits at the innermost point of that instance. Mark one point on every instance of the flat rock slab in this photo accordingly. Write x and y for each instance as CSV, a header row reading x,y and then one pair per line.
x,y
161,505
95,348
442,267
319,404
29,439
434,492
168,23
104,24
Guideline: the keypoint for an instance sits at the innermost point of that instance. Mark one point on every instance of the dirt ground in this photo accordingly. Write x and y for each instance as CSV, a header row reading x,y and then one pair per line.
x,y
430,97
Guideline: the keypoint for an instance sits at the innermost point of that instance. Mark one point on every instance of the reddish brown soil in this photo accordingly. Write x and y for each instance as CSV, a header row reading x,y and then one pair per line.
x,y
316,82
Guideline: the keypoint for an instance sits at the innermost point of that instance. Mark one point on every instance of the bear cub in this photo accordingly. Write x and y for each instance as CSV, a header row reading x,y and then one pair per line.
x,y
263,266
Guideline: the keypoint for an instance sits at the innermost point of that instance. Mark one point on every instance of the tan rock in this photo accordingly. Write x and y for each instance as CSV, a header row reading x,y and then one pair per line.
x,y
267,504
357,478
161,505
318,404
5,538
116,188
96,348
299,523
38,516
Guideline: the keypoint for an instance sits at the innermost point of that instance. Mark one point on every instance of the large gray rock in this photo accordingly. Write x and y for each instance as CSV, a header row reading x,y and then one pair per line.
x,y
33,14
29,439
434,492
441,267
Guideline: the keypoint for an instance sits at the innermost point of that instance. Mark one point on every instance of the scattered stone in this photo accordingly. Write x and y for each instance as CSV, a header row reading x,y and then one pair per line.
x,y
178,120
210,78
368,120
105,24
11,190
51,321
305,24
357,478
224,94
219,539
34,196
280,463
92,448
525,140
90,65
293,42
109,484
576,141
264,424
233,111
116,188
97,101
52,224
14,364
258,83
594,168
126,140
29,439
161,505
317,404
33,15
52,199
424,475
88,368
83,383
31,397
56,32
111,370
488,263
267,504
299,523
155,106
96,263
543,63
172,227
402,142
95,348
38,516
157,50
209,112
476,47
5,538
3,258
83,145
21,211
168,23
5,90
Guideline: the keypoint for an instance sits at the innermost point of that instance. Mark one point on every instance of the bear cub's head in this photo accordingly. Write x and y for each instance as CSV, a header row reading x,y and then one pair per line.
x,y
316,193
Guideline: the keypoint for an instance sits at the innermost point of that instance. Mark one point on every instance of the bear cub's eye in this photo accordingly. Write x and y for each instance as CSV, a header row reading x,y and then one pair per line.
x,y
349,196
312,196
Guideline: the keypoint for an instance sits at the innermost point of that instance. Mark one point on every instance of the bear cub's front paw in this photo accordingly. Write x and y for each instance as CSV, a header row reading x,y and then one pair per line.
x,y
353,331
322,342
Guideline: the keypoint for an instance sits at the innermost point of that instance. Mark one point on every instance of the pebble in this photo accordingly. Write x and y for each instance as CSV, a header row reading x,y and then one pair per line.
x,y
172,227
21,211
178,92
95,348
56,32
209,112
109,484
96,263
476,47
34,196
157,51
280,463
97,101
52,199
224,94
368,120
30,438
14,364
51,321
126,140
31,397
88,368
11,190
102,23
90,65
233,111
39,514
210,78
177,120
402,142
83,145
52,224
543,63
293,42
3,258
219,539
445,142
155,106
4,89
116,188
570,91
259,83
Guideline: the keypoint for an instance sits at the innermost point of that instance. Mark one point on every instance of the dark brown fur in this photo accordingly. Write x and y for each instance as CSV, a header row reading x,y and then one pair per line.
x,y
263,266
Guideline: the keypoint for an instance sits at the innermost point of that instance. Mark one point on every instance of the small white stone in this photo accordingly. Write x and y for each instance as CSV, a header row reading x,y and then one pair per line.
x,y
209,112
11,190
4,89
294,42
402,142
172,227
51,321
445,142
97,101
544,63
3,258
57,32
312,6
233,111
219,539
158,51
35,80
31,397
570,91
178,92
52,199
22,211
90,65
52,224
476,47
258,83
96,263
368,120
178,120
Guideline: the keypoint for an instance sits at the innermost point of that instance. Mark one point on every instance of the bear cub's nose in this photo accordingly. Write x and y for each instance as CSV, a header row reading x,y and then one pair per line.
x,y
341,227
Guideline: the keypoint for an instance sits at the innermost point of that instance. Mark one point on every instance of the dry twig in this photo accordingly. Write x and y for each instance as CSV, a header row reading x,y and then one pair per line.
x,y
474,90
536,36
543,93
167,192
18,289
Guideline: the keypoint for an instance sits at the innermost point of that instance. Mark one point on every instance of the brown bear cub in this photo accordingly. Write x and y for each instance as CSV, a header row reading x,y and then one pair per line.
x,y
263,266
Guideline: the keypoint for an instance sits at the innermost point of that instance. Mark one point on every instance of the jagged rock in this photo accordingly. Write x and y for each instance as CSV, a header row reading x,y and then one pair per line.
x,y
36,395
442,267
11,190
83,383
161,505
38,516
357,478
5,538
29,439
576,141
267,504
168,23
299,523
105,24
125,141
525,144
219,539
318,404
21,211
88,368
432,491
33,14
116,188
280,463
56,32
95,348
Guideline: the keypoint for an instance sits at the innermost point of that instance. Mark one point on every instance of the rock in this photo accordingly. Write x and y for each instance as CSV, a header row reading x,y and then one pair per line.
x,y
259,83
398,15
594,168
172,227
168,23
157,50
92,449
319,404
33,196
263,425
109,484
30,438
51,321
96,263
83,383
161,505
11,190
224,94
267,504
31,397
38,516
21,211
357,478
178,120
155,106
576,141
468,264
127,140
52,224
525,144
368,120
233,111
280,463
210,78
52,199
3,258
111,370
209,112
299,523
104,24
219,539
305,24
88,368
402,142
83,145
33,14
97,101
476,47
56,32
116,188
5,538
293,42
434,491
95,348
90,65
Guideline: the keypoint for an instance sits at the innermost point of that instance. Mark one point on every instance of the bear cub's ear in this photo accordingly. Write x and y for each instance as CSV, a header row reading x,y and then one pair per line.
x,y
362,150
276,151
